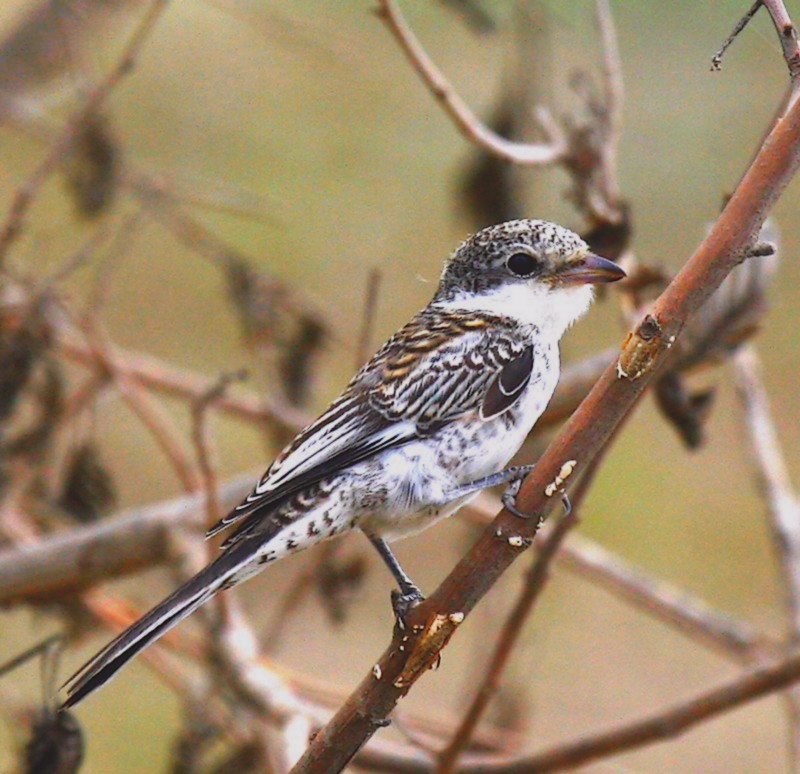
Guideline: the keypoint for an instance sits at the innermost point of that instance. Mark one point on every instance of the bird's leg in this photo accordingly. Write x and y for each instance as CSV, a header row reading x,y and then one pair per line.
x,y
512,476
409,594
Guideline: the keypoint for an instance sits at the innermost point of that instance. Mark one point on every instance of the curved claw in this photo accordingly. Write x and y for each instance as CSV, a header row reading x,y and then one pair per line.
x,y
403,602
509,499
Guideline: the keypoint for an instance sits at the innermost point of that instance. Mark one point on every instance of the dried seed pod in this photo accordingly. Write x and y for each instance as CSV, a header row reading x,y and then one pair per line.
x,y
729,318
47,396
56,745
735,310
283,335
24,337
297,356
39,51
88,490
92,166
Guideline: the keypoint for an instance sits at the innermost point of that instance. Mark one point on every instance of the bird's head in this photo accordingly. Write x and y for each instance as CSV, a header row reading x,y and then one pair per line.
x,y
532,270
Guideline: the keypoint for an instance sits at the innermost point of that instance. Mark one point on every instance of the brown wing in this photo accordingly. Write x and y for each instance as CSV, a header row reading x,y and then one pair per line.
x,y
437,368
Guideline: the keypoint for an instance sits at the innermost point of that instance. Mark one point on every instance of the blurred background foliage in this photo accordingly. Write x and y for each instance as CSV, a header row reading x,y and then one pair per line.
x,y
298,134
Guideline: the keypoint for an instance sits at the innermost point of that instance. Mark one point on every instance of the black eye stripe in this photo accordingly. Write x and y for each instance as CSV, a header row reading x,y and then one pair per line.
x,y
523,265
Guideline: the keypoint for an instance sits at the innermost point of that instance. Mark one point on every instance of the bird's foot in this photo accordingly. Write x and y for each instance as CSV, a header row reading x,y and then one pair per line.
x,y
509,497
403,601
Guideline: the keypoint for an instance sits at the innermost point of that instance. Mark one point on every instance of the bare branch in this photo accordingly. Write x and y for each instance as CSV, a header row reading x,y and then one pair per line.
x,y
548,546
75,560
716,60
787,34
662,725
529,154
368,319
182,383
168,379
613,101
675,607
202,443
434,621
784,506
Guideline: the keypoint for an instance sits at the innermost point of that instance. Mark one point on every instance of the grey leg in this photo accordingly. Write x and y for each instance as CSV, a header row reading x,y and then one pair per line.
x,y
409,595
514,474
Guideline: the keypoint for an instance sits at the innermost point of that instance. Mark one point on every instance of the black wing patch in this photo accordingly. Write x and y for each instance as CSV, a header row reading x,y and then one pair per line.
x,y
508,385
440,366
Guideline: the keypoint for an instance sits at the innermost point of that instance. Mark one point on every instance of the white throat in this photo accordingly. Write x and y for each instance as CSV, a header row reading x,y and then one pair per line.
x,y
552,310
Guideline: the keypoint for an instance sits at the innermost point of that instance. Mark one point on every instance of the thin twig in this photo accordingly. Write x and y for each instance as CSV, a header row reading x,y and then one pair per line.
x,y
168,379
202,442
787,34
149,412
529,154
784,506
689,615
613,102
716,60
368,316
662,725
94,99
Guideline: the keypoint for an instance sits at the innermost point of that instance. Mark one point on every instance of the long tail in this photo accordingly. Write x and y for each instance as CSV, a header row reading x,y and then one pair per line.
x,y
197,590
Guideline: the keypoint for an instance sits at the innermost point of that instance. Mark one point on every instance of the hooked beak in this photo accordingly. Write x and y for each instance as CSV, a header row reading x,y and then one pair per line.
x,y
588,269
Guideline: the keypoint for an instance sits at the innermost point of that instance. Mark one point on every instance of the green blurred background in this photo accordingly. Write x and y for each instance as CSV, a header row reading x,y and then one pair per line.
x,y
312,108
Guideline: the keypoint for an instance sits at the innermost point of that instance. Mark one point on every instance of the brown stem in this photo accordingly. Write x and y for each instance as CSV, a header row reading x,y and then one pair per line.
x,y
662,725
548,547
433,622
673,606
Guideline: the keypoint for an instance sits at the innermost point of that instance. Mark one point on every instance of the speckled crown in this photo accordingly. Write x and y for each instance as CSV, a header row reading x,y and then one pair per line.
x,y
477,262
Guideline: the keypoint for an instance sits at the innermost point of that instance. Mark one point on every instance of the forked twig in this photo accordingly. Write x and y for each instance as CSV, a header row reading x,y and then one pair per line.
x,y
787,34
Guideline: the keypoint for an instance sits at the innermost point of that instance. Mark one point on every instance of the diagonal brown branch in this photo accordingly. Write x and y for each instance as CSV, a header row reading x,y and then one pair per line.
x,y
669,604
436,620
78,559
537,577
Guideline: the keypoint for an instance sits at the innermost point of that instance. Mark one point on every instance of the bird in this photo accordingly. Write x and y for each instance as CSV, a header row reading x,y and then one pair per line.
x,y
433,418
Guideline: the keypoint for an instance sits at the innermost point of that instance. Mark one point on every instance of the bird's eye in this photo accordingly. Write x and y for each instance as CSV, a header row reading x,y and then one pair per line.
x,y
522,265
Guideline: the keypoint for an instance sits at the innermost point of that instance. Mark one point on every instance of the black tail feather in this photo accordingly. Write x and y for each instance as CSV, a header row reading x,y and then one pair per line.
x,y
199,589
